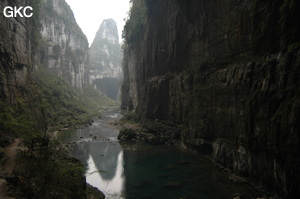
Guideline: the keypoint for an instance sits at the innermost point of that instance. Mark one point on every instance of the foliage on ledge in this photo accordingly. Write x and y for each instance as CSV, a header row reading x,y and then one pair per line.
x,y
135,24
66,106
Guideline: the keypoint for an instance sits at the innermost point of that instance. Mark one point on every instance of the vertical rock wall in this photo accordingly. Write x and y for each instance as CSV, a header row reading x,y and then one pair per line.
x,y
63,46
50,38
15,51
228,72
19,102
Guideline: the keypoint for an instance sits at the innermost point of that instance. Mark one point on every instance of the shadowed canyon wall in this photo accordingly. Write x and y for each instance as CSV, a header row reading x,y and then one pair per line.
x,y
227,72
19,103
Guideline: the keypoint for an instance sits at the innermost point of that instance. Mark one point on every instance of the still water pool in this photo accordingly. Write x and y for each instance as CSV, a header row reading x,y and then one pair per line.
x,y
137,171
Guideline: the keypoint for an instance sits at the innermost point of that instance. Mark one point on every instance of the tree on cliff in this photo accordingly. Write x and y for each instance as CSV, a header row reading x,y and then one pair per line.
x,y
136,21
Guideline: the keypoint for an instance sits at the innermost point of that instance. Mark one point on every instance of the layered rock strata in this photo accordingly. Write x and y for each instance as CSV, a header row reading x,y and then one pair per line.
x,y
227,73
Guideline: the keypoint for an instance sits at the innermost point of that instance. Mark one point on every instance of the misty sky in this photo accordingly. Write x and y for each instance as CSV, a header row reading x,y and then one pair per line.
x,y
89,14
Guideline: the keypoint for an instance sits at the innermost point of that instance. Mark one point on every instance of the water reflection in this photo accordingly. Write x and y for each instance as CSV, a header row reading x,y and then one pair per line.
x,y
148,171
97,147
112,186
104,161
105,157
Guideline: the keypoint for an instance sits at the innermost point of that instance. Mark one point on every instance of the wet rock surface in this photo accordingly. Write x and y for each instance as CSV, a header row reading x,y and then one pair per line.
x,y
227,74
94,193
156,132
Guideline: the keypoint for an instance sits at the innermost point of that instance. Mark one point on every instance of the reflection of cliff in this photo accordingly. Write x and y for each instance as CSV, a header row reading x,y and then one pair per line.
x,y
81,152
105,156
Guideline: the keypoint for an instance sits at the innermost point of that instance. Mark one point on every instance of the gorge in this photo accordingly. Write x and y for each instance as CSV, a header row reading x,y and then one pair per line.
x,y
44,87
217,79
226,73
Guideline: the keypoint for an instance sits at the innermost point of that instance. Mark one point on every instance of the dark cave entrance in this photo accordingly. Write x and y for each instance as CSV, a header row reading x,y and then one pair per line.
x,y
108,86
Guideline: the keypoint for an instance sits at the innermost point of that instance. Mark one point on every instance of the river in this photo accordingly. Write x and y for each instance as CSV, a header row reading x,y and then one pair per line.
x,y
144,171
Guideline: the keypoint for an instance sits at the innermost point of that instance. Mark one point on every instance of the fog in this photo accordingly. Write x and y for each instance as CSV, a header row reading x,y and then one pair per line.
x,y
89,14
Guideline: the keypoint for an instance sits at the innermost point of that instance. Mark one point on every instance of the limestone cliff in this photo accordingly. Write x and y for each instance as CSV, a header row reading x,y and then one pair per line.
x,y
105,59
21,113
63,46
50,38
19,104
227,73
15,49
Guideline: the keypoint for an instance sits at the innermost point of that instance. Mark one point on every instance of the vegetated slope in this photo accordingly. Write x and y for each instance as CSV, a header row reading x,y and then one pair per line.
x,y
65,106
62,72
50,39
19,107
47,40
227,73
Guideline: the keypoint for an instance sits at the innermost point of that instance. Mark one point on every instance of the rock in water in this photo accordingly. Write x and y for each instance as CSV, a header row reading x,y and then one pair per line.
x,y
126,134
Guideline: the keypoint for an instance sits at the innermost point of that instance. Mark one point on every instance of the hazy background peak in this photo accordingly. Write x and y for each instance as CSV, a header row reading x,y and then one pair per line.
x,y
89,14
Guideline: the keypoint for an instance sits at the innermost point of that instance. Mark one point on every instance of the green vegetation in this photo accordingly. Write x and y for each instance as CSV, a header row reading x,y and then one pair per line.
x,y
66,106
43,102
9,123
135,24
42,170
15,123
48,174
17,118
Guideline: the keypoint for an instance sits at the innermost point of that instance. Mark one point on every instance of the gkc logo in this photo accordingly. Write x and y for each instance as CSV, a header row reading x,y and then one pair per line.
x,y
9,11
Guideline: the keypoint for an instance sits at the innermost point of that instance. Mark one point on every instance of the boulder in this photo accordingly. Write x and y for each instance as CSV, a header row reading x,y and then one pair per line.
x,y
126,134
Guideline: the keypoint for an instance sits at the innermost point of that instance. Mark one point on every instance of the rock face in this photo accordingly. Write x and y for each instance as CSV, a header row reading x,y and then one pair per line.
x,y
15,52
17,61
105,59
64,47
227,72
50,38
61,47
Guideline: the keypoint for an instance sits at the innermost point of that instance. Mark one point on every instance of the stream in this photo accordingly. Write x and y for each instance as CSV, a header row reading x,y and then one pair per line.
x,y
140,171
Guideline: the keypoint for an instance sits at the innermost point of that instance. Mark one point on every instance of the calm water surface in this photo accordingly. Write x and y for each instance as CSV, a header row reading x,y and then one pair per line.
x,y
145,171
